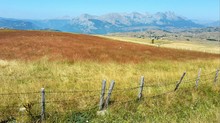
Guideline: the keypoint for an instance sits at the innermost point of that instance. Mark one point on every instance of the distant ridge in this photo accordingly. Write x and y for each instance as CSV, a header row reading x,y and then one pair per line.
x,y
214,24
108,23
17,24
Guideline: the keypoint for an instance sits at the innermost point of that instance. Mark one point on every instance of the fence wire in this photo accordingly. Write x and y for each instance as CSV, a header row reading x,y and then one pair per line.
x,y
71,91
126,99
71,100
23,93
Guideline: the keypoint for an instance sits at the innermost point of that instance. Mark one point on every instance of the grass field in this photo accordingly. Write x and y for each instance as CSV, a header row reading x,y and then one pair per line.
x,y
30,45
24,73
23,77
202,46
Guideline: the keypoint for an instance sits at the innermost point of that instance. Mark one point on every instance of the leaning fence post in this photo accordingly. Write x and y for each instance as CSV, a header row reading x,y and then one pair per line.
x,y
198,78
216,76
177,85
42,104
141,88
109,94
102,95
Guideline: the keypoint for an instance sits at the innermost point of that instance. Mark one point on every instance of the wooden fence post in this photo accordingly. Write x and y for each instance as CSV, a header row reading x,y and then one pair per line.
x,y
42,104
198,78
216,76
102,95
141,87
177,85
109,94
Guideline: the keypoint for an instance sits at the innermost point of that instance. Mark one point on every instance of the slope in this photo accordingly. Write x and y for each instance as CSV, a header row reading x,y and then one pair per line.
x,y
32,45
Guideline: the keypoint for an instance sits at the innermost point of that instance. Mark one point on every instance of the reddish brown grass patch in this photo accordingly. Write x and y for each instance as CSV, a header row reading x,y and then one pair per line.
x,y
29,45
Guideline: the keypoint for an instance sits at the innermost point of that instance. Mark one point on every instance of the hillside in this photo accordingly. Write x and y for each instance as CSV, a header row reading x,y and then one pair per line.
x,y
16,24
72,79
29,45
202,39
103,24
201,34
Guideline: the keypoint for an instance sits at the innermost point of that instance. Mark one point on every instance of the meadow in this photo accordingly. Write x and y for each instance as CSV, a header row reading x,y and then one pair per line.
x,y
194,44
73,84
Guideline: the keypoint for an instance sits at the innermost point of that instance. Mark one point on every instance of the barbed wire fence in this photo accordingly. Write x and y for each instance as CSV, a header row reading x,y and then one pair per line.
x,y
47,102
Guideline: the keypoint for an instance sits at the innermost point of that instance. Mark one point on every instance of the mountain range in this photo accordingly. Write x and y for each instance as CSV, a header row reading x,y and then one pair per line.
x,y
109,23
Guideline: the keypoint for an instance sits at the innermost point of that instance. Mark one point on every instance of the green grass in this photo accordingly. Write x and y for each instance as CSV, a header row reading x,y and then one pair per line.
x,y
187,105
184,106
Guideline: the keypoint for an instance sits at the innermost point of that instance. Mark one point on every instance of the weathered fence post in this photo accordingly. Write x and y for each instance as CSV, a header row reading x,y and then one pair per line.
x,y
141,88
177,85
102,95
42,104
216,76
109,94
198,78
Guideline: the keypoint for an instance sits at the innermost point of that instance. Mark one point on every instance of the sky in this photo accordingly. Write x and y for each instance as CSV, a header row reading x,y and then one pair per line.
x,y
48,9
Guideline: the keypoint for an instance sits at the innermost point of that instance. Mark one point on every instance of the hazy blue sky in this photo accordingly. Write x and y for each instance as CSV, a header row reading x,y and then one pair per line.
x,y
45,9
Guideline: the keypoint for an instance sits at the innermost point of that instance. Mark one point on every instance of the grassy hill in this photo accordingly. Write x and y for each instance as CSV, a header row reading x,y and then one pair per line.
x,y
71,68
35,44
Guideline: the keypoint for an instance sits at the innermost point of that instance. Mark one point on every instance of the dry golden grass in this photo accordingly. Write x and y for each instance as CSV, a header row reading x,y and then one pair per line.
x,y
202,46
58,76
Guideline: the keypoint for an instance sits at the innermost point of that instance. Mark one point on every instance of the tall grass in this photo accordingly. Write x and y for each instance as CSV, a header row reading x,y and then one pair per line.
x,y
54,76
